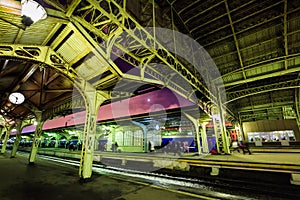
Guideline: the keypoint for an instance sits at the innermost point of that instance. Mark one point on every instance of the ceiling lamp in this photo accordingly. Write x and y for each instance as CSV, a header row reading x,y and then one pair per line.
x,y
16,98
32,12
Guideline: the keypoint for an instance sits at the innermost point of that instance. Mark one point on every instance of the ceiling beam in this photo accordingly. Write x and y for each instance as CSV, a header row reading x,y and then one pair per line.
x,y
291,84
6,72
180,18
19,81
60,98
71,7
74,103
244,30
260,109
200,13
235,40
19,35
285,36
56,4
257,78
186,7
258,65
220,16
243,18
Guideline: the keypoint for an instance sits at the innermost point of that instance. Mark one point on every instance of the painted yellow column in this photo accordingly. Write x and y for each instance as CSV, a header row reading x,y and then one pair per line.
x,y
205,149
222,140
93,101
199,133
297,107
19,126
196,123
37,135
7,130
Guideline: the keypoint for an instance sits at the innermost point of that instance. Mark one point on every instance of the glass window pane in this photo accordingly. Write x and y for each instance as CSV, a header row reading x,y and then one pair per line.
x,y
138,138
119,138
128,138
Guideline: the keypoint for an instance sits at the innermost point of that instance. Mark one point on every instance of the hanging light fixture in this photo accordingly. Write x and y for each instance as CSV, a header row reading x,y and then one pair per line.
x,y
32,12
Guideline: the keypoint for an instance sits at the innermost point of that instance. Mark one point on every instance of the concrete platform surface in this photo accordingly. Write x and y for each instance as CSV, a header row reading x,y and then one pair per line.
x,y
255,157
53,181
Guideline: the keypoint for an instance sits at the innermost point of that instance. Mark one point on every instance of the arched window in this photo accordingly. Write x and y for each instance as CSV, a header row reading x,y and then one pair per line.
x,y
119,138
138,138
128,138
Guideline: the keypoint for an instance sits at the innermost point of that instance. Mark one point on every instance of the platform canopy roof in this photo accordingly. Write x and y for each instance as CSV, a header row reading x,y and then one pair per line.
x,y
254,44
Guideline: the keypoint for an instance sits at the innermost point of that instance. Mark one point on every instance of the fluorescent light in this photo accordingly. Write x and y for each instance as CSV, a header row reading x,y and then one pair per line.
x,y
32,12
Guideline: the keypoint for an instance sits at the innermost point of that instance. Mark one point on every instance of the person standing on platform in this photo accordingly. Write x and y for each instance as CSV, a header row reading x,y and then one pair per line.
x,y
244,147
185,147
151,146
115,147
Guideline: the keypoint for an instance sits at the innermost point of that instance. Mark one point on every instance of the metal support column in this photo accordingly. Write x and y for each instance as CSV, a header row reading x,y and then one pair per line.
x,y
196,124
205,149
222,140
37,135
56,142
242,130
19,126
93,101
2,130
297,106
198,132
7,130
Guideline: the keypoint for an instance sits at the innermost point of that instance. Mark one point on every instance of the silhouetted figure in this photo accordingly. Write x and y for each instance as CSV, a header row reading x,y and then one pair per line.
x,y
71,146
114,147
151,146
244,147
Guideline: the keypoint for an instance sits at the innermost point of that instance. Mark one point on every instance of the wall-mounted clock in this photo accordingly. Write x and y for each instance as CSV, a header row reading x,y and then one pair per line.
x,y
16,98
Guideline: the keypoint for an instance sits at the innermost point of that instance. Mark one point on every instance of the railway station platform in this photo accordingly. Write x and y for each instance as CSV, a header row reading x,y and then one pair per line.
x,y
263,156
49,180
285,159
284,165
53,181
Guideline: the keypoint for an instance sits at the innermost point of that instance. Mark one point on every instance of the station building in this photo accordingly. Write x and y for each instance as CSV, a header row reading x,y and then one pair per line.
x,y
139,73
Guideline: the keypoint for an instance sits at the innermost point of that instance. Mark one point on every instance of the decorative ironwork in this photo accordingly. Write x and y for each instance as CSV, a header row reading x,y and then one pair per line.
x,y
107,19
